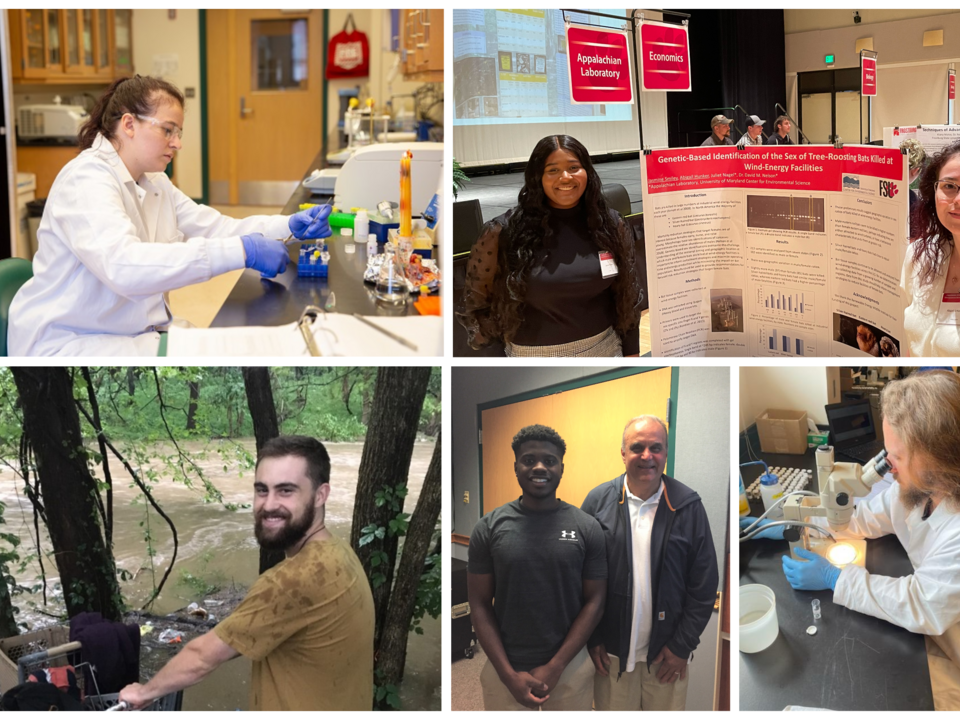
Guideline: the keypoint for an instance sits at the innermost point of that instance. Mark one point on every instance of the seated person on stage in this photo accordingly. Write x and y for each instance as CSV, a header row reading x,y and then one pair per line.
x,y
719,132
754,133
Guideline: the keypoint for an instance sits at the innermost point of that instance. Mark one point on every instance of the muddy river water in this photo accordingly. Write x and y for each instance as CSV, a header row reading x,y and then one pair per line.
x,y
217,547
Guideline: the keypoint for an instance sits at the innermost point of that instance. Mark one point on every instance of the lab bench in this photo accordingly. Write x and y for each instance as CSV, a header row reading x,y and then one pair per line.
x,y
277,301
854,661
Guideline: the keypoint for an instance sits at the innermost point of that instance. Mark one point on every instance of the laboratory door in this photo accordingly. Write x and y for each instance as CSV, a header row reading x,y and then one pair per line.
x,y
831,106
590,418
265,102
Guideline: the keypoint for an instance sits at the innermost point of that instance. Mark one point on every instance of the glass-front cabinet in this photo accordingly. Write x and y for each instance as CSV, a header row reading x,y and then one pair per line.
x,y
71,45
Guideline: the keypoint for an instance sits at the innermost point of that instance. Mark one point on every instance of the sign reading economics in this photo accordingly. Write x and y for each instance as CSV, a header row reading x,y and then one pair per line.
x,y
600,70
868,72
664,57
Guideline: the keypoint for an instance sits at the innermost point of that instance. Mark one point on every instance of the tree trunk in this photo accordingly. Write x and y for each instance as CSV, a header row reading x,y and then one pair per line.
x,y
131,381
8,621
416,545
263,413
194,386
391,434
69,492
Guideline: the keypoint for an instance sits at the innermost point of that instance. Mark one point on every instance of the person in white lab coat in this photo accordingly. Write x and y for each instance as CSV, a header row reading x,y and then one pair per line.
x,y
921,431
116,234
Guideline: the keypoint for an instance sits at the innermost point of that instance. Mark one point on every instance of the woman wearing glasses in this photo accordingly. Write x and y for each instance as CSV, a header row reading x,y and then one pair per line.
x,y
931,272
116,234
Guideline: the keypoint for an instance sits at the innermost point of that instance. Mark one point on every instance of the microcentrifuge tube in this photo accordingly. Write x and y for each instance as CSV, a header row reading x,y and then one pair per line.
x,y
815,604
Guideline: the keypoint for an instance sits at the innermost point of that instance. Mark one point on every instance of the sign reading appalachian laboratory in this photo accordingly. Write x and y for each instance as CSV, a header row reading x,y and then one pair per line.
x,y
664,57
600,70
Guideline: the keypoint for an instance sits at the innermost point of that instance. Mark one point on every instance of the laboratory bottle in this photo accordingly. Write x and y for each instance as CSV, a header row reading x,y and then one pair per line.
x,y
771,491
744,503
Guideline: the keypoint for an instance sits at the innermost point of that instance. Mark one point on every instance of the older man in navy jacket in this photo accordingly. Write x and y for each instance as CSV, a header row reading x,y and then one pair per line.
x,y
662,577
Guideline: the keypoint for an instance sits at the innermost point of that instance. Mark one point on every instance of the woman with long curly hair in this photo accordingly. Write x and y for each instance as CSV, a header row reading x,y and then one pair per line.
x,y
931,271
556,275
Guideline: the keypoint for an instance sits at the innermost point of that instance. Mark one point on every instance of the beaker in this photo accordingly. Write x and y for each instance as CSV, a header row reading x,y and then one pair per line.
x,y
391,284
758,618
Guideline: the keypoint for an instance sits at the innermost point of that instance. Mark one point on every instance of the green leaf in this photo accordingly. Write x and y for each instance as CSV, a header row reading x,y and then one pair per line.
x,y
393,701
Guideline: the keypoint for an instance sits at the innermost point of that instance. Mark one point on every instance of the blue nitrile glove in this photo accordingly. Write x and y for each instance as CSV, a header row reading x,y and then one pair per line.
x,y
815,574
312,223
270,257
774,533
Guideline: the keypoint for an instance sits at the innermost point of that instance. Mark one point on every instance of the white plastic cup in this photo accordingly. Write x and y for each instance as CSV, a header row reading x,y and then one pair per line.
x,y
758,618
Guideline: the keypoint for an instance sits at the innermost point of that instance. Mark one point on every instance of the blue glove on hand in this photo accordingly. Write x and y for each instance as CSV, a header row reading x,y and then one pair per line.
x,y
774,533
815,574
270,257
311,223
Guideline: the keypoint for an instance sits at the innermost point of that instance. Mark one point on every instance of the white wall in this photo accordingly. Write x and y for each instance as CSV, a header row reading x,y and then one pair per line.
x,y
156,40
911,79
376,24
782,388
795,21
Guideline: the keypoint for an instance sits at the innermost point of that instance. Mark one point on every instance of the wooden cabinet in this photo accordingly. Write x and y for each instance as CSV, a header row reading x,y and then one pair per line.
x,y
422,45
70,46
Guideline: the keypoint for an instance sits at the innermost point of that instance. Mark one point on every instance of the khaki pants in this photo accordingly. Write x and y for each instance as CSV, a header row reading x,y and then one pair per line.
x,y
638,690
944,676
574,690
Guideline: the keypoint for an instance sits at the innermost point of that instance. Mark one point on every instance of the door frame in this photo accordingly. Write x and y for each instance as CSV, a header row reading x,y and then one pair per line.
x,y
832,81
204,125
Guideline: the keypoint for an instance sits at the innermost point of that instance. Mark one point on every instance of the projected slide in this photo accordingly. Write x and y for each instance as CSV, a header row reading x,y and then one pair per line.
x,y
510,66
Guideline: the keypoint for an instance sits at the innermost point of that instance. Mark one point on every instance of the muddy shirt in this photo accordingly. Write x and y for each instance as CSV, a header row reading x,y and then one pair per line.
x,y
307,625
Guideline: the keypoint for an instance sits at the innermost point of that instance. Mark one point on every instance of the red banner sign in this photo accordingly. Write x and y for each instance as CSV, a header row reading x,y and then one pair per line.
x,y
664,57
952,89
868,76
600,69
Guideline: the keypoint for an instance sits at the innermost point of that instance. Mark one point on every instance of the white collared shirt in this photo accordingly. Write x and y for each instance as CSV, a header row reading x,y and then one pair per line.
x,y
641,513
109,247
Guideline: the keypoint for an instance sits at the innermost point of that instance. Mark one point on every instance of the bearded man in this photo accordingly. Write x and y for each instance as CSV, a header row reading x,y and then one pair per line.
x,y
921,432
307,623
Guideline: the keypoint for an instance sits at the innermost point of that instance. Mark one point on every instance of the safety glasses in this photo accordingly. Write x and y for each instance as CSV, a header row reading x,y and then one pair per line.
x,y
168,131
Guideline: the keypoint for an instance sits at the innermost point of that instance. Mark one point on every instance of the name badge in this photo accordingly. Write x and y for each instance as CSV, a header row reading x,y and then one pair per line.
x,y
949,309
608,266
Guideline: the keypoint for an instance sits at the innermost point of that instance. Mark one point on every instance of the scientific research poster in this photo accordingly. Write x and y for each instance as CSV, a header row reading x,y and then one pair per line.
x,y
775,251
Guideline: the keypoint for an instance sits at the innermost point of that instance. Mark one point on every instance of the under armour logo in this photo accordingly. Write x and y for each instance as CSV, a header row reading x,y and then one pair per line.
x,y
568,533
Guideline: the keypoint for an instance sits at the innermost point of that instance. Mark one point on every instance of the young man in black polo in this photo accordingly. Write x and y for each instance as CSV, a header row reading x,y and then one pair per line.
x,y
544,563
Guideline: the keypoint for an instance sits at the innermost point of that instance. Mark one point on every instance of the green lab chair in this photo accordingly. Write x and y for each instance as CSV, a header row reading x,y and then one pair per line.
x,y
14,272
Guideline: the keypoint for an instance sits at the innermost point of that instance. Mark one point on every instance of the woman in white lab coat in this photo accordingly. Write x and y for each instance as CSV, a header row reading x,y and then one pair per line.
x,y
116,234
921,431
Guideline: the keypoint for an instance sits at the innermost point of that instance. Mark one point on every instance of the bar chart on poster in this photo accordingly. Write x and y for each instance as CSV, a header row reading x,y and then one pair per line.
x,y
779,300
786,342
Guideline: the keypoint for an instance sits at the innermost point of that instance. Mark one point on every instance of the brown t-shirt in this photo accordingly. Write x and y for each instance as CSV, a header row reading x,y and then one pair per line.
x,y
307,624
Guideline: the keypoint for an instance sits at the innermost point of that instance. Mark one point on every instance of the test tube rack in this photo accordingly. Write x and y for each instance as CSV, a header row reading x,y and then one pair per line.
x,y
305,268
791,479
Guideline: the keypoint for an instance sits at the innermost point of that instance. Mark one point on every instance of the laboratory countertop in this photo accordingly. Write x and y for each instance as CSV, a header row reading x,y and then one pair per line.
x,y
259,301
855,661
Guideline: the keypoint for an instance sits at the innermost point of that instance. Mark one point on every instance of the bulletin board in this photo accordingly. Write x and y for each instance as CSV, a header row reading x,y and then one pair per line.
x,y
589,414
